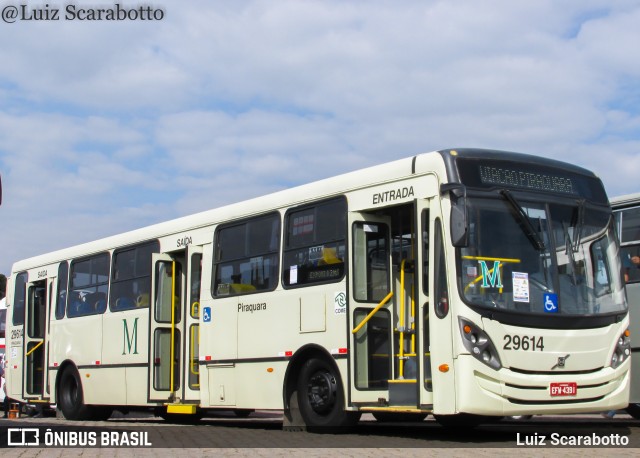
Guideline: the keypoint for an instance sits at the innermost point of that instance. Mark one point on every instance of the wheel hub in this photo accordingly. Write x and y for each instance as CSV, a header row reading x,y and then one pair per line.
x,y
321,390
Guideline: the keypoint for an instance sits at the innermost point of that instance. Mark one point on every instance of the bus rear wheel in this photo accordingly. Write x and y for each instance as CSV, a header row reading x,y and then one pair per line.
x,y
321,397
71,397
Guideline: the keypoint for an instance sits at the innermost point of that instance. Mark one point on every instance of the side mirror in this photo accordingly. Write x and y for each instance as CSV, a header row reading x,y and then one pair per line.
x,y
459,220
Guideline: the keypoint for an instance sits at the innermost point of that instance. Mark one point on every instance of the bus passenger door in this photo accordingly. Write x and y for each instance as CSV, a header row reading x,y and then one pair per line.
x,y
370,308
34,361
423,298
166,329
191,369
438,330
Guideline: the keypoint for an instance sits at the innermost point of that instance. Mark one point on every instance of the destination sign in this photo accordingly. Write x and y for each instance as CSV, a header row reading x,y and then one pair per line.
x,y
522,179
491,173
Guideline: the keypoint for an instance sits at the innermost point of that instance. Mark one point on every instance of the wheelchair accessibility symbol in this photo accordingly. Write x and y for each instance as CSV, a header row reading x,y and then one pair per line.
x,y
550,302
206,314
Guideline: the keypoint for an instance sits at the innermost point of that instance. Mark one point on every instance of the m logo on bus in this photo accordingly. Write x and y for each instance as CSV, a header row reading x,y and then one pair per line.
x,y
129,340
490,277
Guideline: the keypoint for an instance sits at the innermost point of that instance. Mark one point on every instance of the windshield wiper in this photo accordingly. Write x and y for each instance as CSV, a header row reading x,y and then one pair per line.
x,y
568,249
577,230
524,220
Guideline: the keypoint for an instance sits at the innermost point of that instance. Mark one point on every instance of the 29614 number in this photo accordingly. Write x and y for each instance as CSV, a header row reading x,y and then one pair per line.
x,y
526,343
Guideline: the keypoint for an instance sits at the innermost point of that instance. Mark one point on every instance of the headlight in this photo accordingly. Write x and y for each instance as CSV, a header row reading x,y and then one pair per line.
x,y
622,350
478,343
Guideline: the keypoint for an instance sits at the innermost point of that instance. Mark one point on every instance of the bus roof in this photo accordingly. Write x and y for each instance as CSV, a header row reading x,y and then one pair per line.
x,y
625,200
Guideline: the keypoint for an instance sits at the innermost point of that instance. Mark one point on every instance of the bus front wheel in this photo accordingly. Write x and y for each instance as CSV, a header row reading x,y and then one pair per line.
x,y
70,396
321,397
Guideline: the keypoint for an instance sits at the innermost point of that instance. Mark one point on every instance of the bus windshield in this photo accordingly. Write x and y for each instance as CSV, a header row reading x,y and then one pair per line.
x,y
549,258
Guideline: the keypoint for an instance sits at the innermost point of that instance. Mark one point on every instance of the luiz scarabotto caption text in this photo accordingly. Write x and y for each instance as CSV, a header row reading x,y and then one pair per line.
x,y
14,13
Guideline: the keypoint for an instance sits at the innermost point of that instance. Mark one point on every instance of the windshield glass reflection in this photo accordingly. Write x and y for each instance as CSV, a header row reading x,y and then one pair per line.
x,y
543,258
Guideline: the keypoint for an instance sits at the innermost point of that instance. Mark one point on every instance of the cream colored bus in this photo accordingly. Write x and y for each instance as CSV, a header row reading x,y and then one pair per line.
x,y
463,283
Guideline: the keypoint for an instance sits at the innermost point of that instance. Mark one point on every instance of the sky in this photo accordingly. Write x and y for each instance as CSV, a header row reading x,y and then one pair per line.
x,y
107,126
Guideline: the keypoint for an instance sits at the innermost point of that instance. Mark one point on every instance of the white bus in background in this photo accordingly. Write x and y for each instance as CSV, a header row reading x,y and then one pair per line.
x,y
462,283
627,214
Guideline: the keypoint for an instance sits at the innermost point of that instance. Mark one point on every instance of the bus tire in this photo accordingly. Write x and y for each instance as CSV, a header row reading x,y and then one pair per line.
x,y
71,397
634,410
321,398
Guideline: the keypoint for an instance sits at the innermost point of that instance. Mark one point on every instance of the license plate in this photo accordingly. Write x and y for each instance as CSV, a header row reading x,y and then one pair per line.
x,y
563,389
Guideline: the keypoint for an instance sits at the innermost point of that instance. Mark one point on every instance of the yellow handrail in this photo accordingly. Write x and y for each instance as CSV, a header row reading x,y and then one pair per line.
x,y
403,294
487,258
34,348
413,319
373,312
195,328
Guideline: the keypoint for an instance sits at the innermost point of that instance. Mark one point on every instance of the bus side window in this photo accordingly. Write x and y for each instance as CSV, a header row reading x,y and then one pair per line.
x,y
131,276
89,285
315,243
63,279
19,299
247,253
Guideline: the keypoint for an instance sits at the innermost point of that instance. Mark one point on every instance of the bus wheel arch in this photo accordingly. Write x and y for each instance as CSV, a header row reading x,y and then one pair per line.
x,y
314,393
295,366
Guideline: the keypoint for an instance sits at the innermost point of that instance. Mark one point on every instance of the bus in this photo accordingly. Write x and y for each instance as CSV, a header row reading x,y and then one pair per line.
x,y
626,210
468,284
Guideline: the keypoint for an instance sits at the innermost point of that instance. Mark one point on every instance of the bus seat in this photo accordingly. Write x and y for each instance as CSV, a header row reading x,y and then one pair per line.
x,y
238,288
123,303
95,302
142,300
329,256
74,304
100,305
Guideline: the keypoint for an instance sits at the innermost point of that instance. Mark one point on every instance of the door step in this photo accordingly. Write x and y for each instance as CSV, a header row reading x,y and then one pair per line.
x,y
185,409
395,409
403,392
